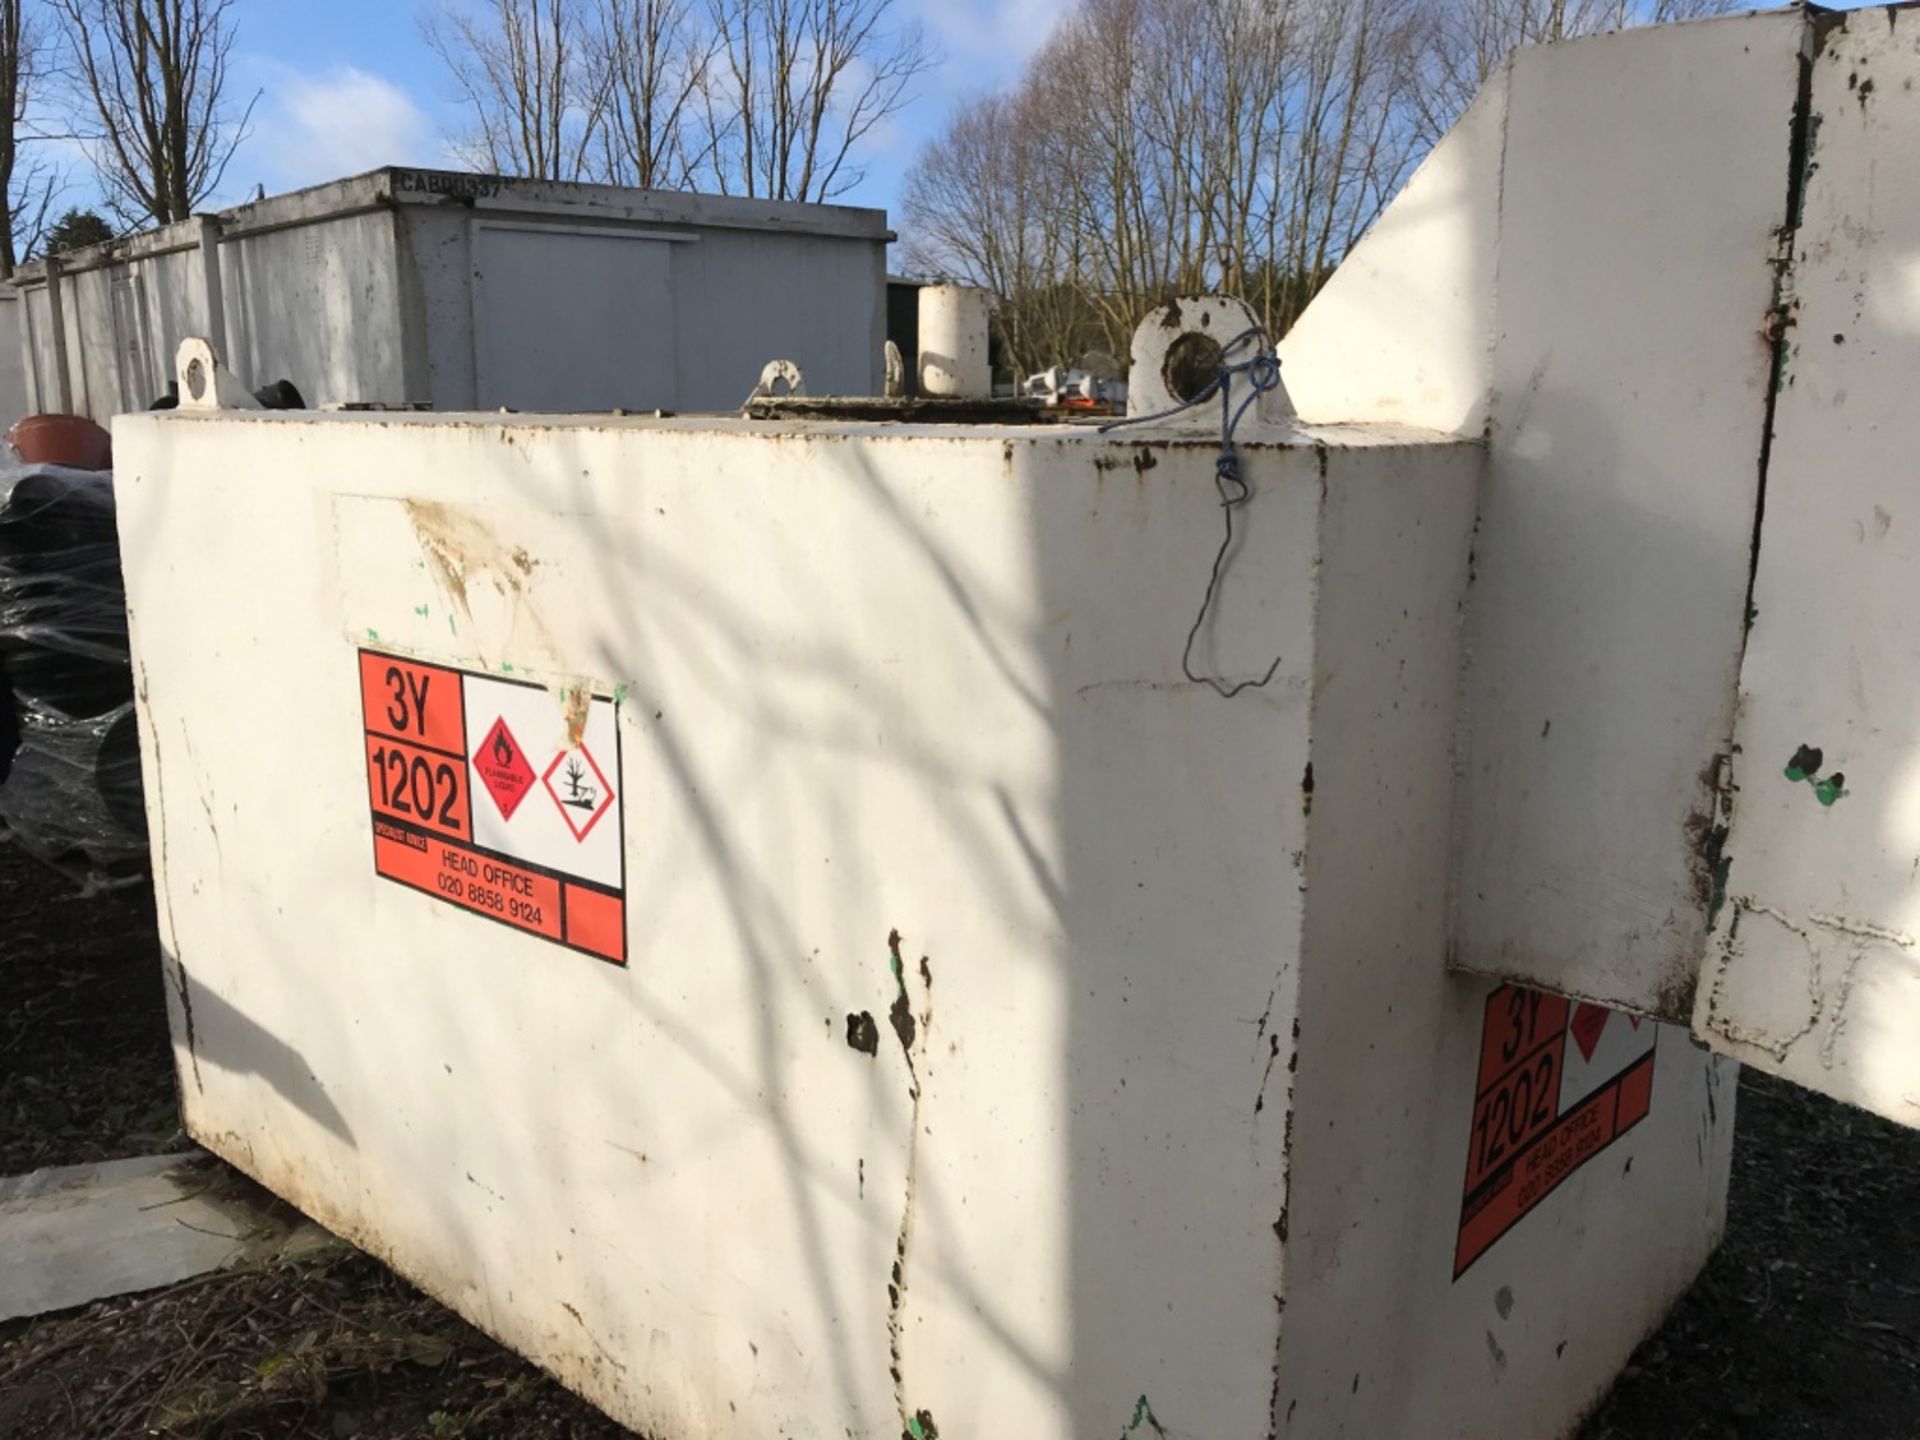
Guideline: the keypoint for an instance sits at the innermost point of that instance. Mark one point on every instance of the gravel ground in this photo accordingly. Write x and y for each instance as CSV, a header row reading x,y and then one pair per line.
x,y
329,1348
86,1071
1805,1326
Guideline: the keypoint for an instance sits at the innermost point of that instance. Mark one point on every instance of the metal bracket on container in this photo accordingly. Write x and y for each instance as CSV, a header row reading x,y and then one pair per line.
x,y
1182,346
205,383
779,378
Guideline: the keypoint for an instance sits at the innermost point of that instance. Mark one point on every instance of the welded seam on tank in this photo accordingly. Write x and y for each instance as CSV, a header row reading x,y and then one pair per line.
x,y
1780,323
1780,320
1493,280
1462,741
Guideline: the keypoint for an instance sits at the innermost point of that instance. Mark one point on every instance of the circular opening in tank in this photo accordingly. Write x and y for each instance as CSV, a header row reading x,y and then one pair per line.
x,y
1193,363
196,379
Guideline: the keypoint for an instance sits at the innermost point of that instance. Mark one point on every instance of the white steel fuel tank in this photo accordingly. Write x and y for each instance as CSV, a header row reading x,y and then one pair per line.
x,y
837,924
779,921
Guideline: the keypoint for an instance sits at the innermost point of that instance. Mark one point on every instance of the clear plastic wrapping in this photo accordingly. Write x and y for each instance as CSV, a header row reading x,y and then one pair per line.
x,y
69,751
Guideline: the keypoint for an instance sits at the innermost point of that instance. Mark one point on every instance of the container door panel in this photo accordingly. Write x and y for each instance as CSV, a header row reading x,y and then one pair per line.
x,y
573,320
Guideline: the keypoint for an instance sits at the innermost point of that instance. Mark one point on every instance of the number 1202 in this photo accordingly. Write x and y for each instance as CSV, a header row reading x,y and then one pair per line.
x,y
1522,1104
417,785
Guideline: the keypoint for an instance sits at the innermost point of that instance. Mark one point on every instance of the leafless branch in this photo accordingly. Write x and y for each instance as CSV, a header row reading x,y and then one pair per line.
x,y
29,182
524,75
149,96
1155,146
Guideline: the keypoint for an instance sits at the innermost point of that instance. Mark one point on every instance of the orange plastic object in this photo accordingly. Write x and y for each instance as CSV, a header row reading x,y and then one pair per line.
x,y
70,440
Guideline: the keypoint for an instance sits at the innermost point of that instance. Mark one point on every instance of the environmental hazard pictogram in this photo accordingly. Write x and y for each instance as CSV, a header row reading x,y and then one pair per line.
x,y
503,769
579,787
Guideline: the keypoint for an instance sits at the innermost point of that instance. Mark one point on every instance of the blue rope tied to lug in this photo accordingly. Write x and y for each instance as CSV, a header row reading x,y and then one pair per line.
x,y
1261,372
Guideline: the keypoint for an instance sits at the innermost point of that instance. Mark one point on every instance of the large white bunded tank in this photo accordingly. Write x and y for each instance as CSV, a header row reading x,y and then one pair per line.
x,y
756,915
467,291
808,927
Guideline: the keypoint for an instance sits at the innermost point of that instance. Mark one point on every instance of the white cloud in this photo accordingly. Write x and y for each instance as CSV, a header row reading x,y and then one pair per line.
x,y
310,128
986,42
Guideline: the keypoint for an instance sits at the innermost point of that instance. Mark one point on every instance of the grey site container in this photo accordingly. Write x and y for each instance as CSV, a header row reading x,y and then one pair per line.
x,y
469,292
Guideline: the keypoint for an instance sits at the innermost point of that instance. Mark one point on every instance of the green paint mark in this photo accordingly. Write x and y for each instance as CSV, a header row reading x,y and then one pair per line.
x,y
372,634
1143,1415
620,692
506,667
913,1428
421,611
452,629
1805,766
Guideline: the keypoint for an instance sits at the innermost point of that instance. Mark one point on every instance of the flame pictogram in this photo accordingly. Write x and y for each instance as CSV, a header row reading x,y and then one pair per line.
x,y
502,769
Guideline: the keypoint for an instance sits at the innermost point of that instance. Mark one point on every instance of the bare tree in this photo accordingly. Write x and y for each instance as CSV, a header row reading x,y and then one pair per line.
x,y
651,58
524,74
980,209
795,88
151,81
1156,146
769,98
28,183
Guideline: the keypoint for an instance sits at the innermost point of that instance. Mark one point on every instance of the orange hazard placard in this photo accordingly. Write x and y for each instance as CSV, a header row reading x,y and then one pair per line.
x,y
435,737
1558,1083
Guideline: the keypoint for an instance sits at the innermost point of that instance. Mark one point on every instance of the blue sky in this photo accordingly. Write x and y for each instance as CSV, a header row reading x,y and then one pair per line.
x,y
349,84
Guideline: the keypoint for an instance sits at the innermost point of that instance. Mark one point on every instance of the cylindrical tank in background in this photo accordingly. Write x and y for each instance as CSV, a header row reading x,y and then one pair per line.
x,y
953,342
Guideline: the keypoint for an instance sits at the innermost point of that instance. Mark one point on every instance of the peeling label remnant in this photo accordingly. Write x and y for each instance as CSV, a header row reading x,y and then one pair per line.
x,y
574,702
460,549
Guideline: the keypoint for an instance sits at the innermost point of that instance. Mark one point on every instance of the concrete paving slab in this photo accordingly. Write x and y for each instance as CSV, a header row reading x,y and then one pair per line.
x,y
77,1233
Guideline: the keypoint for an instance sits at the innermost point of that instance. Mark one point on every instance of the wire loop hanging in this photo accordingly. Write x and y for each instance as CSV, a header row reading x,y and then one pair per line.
x,y
1261,373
